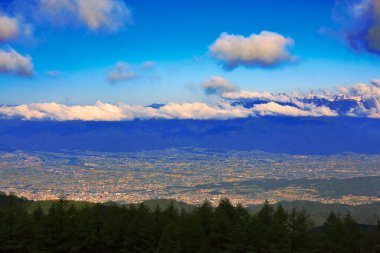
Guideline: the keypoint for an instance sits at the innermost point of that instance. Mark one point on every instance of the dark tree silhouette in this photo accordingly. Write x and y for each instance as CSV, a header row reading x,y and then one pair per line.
x,y
65,227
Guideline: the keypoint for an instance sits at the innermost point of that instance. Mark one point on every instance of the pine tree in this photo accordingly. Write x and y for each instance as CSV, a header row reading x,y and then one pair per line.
x,y
335,232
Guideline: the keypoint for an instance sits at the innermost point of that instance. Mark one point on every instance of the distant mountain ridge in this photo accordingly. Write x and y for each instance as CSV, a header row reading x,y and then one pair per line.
x,y
342,104
290,135
364,214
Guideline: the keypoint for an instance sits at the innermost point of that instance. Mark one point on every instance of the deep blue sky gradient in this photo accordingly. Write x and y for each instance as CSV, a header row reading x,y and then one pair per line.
x,y
176,36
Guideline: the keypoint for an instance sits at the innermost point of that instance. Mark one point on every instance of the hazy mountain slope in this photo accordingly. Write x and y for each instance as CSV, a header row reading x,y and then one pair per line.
x,y
364,214
293,135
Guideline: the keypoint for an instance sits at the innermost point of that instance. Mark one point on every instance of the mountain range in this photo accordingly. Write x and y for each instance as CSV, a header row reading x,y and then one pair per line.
x,y
291,135
342,104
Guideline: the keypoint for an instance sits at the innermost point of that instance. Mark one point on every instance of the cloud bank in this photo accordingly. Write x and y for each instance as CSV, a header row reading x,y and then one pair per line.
x,y
266,50
274,109
368,97
358,100
361,24
117,112
96,15
13,63
361,100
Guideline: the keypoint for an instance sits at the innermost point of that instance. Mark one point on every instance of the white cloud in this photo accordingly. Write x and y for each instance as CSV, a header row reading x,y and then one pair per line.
x,y
100,111
267,49
13,63
275,109
368,96
106,15
361,24
376,82
121,72
218,85
363,90
103,13
12,28
198,110
313,109
8,28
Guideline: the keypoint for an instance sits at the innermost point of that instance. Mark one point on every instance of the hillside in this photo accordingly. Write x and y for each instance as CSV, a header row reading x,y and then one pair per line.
x,y
364,214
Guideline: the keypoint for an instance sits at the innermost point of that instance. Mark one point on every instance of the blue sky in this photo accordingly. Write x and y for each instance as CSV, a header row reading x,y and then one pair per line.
x,y
176,37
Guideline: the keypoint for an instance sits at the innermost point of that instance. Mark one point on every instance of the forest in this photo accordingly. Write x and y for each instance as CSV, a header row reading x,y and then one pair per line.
x,y
65,226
